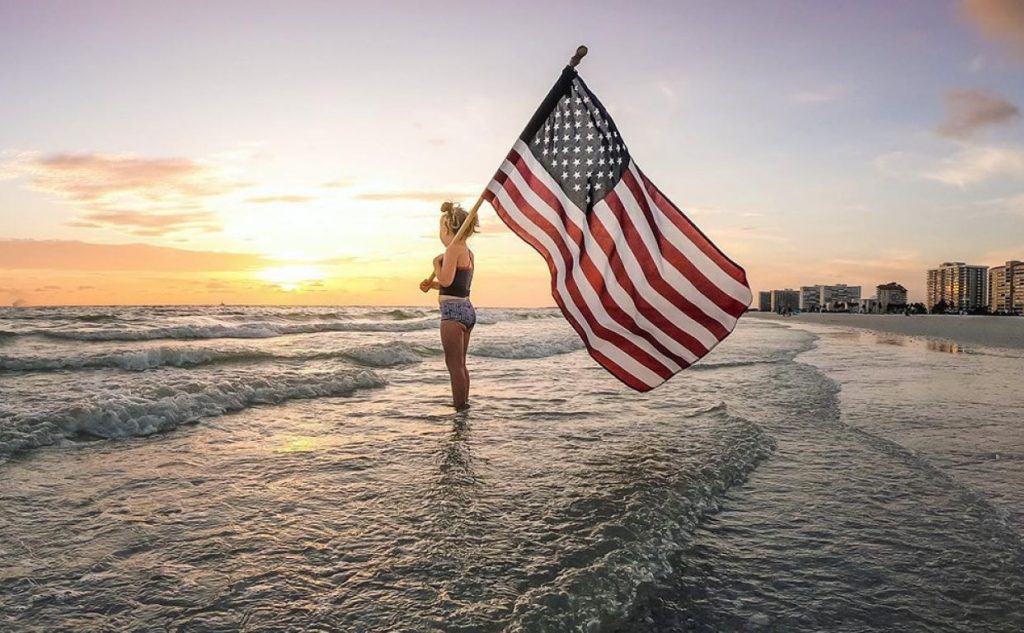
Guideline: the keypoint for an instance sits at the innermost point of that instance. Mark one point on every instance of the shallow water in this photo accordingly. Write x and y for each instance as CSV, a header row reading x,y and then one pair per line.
x,y
306,474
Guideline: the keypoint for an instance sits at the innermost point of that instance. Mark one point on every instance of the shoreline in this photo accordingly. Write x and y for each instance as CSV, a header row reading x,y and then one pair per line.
x,y
987,331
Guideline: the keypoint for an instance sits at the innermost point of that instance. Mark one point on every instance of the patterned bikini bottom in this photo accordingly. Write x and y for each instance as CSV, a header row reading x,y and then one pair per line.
x,y
460,310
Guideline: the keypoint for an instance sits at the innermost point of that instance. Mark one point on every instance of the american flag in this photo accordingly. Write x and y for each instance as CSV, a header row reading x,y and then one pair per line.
x,y
644,288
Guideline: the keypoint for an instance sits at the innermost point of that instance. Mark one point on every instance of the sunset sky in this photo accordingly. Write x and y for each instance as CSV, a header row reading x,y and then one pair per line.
x,y
297,152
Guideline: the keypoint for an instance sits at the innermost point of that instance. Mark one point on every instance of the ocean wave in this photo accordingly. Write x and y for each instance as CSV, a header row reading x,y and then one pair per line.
x,y
134,360
129,415
523,349
244,330
400,314
490,316
388,354
600,590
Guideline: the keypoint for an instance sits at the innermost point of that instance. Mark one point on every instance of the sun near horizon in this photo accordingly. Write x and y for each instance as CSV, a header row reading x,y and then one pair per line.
x,y
182,155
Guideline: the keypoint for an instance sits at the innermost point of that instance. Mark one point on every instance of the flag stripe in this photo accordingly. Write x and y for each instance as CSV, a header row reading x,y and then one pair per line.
x,y
598,250
690,332
612,212
675,225
570,315
624,352
715,296
597,303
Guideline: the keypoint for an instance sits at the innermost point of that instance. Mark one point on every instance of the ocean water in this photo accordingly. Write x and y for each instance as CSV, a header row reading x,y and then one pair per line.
x,y
286,469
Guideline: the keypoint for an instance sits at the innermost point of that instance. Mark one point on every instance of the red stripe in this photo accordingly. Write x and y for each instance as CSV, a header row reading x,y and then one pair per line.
x,y
679,261
607,244
611,366
646,261
683,223
597,282
596,278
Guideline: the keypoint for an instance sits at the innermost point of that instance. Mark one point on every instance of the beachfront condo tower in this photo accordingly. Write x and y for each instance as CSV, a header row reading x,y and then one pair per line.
x,y
764,301
1006,288
785,301
810,298
839,298
957,286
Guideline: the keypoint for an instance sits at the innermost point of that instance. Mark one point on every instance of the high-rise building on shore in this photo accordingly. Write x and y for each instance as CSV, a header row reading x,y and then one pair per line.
x,y
764,301
839,297
961,286
784,301
1006,288
891,296
810,298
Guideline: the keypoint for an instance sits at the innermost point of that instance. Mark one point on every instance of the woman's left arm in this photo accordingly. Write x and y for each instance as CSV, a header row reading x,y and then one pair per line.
x,y
445,268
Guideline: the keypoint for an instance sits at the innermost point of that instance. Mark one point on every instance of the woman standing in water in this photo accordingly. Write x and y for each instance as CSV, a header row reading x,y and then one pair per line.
x,y
454,272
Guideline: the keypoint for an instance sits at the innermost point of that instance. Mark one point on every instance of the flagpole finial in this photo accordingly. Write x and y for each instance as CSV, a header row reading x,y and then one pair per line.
x,y
581,52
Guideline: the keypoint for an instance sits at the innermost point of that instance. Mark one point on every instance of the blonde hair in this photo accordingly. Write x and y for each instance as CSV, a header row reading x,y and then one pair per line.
x,y
454,217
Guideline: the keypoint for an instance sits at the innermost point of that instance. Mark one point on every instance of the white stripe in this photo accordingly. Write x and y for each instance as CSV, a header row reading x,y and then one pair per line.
x,y
586,289
613,352
636,274
621,297
697,257
668,272
683,321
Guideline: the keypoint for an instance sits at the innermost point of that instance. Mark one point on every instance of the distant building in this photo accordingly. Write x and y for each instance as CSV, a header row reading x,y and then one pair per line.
x,y
764,301
810,298
784,301
891,297
1006,288
961,286
839,298
868,305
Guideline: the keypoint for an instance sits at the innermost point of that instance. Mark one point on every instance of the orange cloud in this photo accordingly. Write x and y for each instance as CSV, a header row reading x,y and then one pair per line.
x,y
1000,20
84,256
972,110
149,223
146,195
285,198
416,196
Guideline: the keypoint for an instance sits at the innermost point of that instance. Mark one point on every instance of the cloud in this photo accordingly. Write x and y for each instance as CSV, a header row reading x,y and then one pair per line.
x,y
968,166
336,184
416,196
1000,20
1006,205
973,165
118,190
284,198
821,94
972,110
149,223
80,256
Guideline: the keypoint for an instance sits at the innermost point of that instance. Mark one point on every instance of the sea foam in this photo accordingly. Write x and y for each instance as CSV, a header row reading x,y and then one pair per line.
x,y
128,414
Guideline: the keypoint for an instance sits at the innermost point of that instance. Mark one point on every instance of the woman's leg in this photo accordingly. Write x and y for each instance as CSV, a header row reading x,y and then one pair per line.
x,y
452,341
465,352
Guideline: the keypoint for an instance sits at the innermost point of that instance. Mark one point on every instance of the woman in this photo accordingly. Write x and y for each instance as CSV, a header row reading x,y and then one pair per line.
x,y
454,272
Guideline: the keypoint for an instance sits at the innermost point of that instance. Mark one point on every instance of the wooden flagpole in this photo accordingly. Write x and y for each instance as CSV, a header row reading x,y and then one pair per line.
x,y
574,61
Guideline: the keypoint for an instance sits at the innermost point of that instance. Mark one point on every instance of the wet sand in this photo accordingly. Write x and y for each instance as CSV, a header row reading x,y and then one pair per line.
x,y
1006,332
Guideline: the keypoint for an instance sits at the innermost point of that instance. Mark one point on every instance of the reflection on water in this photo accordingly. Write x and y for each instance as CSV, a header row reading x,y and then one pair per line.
x,y
946,346
866,337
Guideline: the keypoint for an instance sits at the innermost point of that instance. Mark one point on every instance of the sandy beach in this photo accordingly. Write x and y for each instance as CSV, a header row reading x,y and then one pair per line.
x,y
1006,332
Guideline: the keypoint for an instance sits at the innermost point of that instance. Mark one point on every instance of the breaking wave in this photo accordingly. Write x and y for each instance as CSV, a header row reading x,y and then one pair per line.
x,y
244,330
129,415
598,588
388,354
523,349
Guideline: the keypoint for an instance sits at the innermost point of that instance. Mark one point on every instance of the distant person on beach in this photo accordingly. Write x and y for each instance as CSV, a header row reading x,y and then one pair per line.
x,y
454,273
